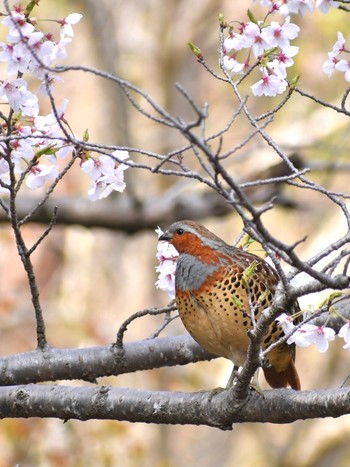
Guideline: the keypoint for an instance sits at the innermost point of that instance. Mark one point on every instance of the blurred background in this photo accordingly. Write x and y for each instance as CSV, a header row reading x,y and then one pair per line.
x,y
92,279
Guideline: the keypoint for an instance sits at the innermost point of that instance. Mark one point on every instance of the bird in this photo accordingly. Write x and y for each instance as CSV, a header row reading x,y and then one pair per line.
x,y
220,290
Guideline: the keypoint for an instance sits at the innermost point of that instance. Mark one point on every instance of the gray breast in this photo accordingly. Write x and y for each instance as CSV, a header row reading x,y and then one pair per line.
x,y
191,273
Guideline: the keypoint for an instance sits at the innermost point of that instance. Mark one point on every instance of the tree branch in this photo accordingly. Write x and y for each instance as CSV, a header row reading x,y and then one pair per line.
x,y
203,408
94,362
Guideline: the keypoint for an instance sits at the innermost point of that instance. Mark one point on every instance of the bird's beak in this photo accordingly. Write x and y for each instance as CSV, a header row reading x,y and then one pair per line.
x,y
166,236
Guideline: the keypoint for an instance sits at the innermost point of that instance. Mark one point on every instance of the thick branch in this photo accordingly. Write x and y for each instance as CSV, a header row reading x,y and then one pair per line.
x,y
131,216
135,405
95,362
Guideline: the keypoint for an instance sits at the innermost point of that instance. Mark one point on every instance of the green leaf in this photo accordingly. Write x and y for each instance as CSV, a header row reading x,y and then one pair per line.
x,y
237,301
294,82
248,273
252,17
247,241
86,135
333,311
47,151
263,296
330,298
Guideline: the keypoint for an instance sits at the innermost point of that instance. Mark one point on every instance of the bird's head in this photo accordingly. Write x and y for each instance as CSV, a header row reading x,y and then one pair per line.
x,y
193,239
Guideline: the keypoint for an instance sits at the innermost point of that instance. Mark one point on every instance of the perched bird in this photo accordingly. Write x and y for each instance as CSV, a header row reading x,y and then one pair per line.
x,y
218,290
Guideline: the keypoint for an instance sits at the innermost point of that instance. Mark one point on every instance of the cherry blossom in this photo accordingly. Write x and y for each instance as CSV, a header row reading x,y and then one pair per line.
x,y
306,334
325,5
339,46
254,38
167,256
288,327
286,323
329,65
269,85
284,56
344,65
18,53
241,40
334,62
16,56
166,279
15,92
67,22
4,165
344,332
286,7
18,25
40,174
277,35
271,45
232,65
28,51
106,174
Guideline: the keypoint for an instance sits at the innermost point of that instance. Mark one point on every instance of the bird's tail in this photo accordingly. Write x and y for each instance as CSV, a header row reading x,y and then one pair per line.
x,y
288,377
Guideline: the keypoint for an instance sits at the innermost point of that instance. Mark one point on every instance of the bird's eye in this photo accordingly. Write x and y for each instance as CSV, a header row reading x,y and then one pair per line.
x,y
180,231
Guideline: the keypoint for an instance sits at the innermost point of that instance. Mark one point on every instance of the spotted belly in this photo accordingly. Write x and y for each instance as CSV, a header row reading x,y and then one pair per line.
x,y
221,329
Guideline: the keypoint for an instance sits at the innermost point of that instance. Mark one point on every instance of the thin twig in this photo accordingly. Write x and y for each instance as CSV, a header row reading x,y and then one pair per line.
x,y
140,314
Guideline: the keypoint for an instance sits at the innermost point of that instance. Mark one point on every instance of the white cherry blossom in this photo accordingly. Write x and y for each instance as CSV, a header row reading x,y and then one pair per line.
x,y
16,93
106,173
277,35
40,174
269,85
167,256
344,332
344,65
67,22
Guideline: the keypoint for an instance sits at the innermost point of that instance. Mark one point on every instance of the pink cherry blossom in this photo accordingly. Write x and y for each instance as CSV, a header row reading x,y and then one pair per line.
x,y
339,46
16,56
99,190
269,85
40,174
296,6
239,41
344,65
271,44
17,22
297,338
166,278
15,92
51,80
167,256
329,65
306,334
277,35
286,322
232,65
284,56
4,175
47,124
67,22
4,166
344,332
23,150
106,174
255,39
325,5
334,62
318,335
